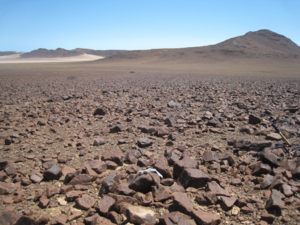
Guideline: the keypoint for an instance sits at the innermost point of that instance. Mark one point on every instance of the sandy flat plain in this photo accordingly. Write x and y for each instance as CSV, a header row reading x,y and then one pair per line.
x,y
16,58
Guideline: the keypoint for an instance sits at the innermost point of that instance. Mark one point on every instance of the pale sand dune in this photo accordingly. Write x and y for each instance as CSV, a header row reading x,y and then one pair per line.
x,y
16,58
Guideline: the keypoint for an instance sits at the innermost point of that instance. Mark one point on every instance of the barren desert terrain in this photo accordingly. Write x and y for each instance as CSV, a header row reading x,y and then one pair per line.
x,y
75,137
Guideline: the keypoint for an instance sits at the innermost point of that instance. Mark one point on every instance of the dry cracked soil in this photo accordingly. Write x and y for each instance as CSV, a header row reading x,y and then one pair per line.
x,y
74,148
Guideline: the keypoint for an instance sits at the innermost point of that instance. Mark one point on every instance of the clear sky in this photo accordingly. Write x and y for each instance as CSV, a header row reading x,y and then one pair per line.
x,y
27,25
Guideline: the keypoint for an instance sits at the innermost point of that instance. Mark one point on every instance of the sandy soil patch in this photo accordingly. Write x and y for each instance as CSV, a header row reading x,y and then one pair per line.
x,y
16,58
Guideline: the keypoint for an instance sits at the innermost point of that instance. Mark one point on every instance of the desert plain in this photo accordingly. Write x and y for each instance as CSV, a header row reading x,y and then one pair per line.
x,y
75,136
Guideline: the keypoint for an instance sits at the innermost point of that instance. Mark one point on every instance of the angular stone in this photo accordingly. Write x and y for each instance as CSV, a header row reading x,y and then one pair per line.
x,y
84,179
59,219
98,166
99,141
268,217
100,220
271,157
267,181
115,217
162,131
7,188
72,195
287,190
10,218
105,204
116,129
110,183
10,170
180,165
167,182
132,156
140,215
254,120
208,218
274,136
43,202
207,198
143,183
115,156
209,156
85,202
162,167
160,193
3,164
252,145
193,178
227,202
144,142
215,188
261,168
144,199
52,191
182,203
229,158
99,111
275,200
123,189
53,173
174,218
296,172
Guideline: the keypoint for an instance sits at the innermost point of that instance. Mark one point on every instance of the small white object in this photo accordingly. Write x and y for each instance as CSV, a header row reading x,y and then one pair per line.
x,y
149,171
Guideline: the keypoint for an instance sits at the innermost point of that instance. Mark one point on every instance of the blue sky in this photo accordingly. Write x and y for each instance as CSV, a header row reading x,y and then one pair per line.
x,y
26,25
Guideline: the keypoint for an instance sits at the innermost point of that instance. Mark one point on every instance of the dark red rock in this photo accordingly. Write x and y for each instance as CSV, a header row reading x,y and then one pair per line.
x,y
110,183
10,170
202,217
268,217
10,218
206,198
52,191
85,202
216,189
43,202
254,120
116,129
53,173
174,218
84,179
260,168
143,183
99,111
193,178
72,195
209,156
160,193
111,165
105,204
115,156
98,166
227,202
275,200
167,182
123,189
180,165
144,199
268,155
162,167
182,203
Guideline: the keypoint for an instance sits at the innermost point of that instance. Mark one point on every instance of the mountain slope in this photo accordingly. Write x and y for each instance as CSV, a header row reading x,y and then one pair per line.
x,y
259,45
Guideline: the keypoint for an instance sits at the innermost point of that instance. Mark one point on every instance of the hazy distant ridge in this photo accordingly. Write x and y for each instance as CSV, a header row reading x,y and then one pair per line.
x,y
60,52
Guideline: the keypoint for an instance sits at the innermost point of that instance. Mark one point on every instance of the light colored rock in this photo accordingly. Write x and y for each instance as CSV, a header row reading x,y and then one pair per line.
x,y
140,215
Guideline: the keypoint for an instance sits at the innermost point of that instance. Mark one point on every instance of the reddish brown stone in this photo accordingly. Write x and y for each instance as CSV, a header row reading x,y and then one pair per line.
x,y
85,202
182,203
162,167
105,204
193,178
202,217
115,156
6,188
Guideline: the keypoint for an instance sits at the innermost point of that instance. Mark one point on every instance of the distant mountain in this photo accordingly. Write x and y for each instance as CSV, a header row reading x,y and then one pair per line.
x,y
9,53
262,44
60,52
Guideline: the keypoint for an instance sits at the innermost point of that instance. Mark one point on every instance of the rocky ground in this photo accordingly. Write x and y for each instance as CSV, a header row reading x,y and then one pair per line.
x,y
72,148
